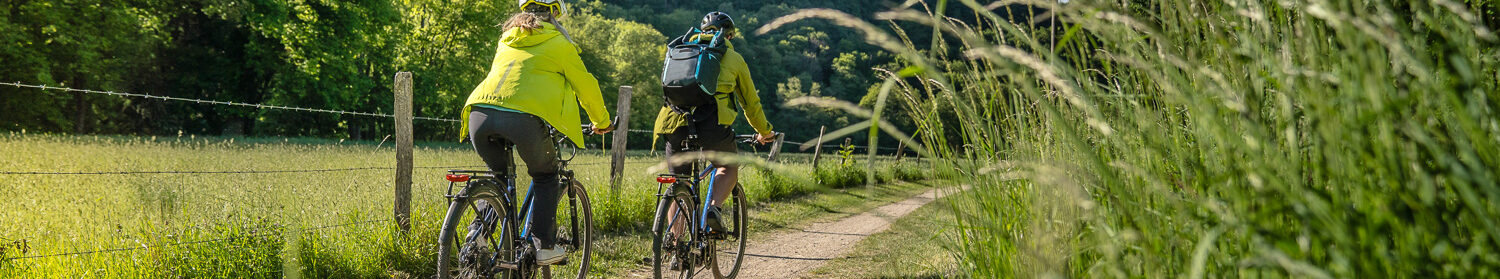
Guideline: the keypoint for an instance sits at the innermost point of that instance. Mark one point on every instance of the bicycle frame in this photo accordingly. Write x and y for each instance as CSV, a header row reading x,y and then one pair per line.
x,y
705,171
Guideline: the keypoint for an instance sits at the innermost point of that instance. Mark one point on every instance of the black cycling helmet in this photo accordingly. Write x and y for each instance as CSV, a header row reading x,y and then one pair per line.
x,y
718,21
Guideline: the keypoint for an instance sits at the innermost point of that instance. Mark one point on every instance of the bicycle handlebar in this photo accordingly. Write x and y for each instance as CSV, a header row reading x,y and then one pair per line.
x,y
588,129
750,138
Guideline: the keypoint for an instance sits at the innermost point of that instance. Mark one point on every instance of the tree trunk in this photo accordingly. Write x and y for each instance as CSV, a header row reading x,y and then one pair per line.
x,y
79,107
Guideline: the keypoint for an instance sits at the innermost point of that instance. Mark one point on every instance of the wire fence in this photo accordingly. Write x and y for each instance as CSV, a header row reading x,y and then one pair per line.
x,y
218,172
216,102
272,232
291,108
268,171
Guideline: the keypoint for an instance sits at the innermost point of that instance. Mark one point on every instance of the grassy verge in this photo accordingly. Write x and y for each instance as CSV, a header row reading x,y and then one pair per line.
x,y
267,225
916,246
1307,139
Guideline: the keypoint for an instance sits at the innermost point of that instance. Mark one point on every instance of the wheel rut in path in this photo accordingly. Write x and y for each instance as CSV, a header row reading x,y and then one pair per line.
x,y
793,254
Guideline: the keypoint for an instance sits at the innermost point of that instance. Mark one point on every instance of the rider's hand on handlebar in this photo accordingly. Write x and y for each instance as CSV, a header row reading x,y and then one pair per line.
x,y
606,130
765,138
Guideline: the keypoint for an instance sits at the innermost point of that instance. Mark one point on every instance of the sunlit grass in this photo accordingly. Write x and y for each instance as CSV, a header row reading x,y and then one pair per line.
x,y
1209,139
270,225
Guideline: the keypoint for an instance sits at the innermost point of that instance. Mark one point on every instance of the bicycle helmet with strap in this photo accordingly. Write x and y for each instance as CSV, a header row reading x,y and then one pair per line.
x,y
718,21
559,7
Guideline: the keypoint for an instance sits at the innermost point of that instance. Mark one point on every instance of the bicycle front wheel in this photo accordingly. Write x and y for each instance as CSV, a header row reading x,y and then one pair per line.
x,y
729,249
575,230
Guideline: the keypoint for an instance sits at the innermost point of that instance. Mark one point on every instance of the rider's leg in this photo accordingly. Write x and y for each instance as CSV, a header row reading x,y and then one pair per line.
x,y
496,153
720,138
724,181
537,149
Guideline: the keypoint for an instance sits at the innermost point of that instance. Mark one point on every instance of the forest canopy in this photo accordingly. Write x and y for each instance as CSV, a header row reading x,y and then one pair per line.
x,y
342,55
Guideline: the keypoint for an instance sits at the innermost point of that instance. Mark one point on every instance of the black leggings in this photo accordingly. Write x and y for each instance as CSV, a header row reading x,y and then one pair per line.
x,y
491,130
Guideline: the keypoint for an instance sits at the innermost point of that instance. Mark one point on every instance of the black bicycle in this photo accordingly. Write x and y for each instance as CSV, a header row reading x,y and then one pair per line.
x,y
487,205
681,240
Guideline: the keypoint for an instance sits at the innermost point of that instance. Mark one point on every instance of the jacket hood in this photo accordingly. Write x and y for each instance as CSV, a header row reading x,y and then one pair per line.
x,y
518,38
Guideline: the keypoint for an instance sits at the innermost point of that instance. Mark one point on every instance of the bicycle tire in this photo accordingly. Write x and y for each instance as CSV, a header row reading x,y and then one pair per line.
x,y
738,221
462,211
662,254
577,232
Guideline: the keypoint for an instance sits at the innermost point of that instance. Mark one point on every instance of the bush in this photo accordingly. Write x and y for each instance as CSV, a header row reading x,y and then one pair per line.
x,y
905,172
841,176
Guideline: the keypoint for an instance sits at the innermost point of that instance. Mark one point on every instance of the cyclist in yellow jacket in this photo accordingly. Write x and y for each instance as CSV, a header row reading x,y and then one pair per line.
x,y
713,122
536,82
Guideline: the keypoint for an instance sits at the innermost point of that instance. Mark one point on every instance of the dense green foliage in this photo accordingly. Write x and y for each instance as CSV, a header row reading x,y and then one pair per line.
x,y
1155,139
342,55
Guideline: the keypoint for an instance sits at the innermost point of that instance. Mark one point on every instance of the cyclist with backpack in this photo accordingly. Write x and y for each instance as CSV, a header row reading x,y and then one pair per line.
x,y
536,83
701,101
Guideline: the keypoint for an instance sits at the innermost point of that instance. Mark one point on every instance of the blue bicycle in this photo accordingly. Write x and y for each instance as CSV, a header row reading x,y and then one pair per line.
x,y
682,242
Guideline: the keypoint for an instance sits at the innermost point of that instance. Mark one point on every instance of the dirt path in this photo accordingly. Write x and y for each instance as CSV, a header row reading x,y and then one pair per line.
x,y
792,254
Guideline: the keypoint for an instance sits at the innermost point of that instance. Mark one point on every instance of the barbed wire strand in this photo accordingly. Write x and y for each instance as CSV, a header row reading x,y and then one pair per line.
x,y
111,250
265,106
202,101
274,171
192,172
223,172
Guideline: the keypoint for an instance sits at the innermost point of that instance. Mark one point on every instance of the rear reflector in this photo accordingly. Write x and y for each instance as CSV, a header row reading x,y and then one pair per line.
x,y
666,179
458,178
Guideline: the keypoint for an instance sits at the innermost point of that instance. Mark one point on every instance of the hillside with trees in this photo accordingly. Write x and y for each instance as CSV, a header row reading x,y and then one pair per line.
x,y
341,55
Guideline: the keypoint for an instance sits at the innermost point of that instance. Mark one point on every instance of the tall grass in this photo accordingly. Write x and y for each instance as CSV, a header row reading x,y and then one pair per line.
x,y
1240,138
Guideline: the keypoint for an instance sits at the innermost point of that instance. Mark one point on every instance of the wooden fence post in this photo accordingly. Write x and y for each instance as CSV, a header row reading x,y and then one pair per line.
x,y
776,148
818,147
403,151
622,132
900,150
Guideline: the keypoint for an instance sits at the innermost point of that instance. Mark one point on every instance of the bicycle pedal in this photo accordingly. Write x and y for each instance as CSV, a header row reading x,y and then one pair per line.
x,y
720,236
503,266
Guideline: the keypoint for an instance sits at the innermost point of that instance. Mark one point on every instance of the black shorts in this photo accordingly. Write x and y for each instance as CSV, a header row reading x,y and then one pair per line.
x,y
711,137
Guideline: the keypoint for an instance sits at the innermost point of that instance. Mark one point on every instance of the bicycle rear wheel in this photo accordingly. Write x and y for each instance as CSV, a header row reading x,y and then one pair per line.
x,y
476,234
668,248
575,230
729,252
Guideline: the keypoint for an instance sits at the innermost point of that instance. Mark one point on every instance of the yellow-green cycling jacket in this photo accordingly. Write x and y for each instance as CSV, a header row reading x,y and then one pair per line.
x,y
555,83
734,79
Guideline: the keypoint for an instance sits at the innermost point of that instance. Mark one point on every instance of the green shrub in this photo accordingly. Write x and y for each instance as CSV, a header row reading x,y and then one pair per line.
x,y
841,176
905,172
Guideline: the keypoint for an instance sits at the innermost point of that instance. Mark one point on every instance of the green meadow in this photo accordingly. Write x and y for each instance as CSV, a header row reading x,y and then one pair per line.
x,y
319,224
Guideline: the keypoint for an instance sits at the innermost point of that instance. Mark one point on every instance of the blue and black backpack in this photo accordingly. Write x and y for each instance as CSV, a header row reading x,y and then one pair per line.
x,y
691,71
